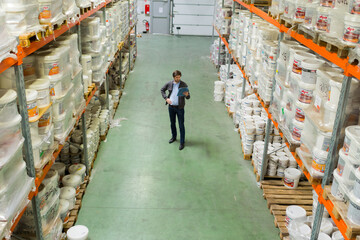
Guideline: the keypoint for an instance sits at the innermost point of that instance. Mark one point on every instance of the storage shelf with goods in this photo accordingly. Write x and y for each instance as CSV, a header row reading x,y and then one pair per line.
x,y
318,107
54,91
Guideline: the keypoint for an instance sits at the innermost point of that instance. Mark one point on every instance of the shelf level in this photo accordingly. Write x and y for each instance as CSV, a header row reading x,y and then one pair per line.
x,y
332,57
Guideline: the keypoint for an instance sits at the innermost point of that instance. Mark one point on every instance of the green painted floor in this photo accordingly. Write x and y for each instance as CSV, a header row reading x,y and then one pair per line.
x,y
143,188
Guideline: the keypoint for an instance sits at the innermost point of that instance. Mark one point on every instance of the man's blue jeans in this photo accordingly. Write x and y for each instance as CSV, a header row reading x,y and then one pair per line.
x,y
181,118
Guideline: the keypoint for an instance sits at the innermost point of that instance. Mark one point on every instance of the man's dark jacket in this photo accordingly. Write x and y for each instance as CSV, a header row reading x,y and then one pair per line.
x,y
169,86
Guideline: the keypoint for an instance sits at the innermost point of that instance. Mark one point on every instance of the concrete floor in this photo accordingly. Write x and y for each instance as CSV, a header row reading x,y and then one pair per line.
x,y
144,188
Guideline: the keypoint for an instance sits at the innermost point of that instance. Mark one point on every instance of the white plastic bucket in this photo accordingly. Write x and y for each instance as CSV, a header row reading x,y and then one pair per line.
x,y
300,56
60,168
31,103
49,63
351,28
68,193
8,106
292,177
36,146
59,124
309,68
334,93
323,140
64,210
299,111
72,180
337,236
86,62
354,209
323,236
319,161
297,128
346,166
78,232
42,86
45,122
78,169
323,19
356,189
294,212
352,141
329,115
338,187
306,92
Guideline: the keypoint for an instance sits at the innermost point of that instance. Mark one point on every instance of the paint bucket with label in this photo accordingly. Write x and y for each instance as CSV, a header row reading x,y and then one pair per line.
x,y
295,213
292,177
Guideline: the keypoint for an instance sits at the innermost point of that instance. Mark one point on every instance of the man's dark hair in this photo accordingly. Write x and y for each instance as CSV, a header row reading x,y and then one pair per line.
x,y
176,73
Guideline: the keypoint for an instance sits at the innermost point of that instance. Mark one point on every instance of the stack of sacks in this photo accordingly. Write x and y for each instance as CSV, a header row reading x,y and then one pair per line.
x,y
49,196
7,42
21,17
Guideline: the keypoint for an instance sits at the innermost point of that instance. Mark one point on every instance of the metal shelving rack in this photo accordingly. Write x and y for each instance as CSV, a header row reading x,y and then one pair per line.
x,y
20,85
349,72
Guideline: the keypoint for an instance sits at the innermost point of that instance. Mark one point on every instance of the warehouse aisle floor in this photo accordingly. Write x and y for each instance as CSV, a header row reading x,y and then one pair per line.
x,y
144,188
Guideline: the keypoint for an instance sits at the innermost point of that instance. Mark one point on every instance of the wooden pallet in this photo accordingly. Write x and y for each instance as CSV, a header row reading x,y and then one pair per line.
x,y
308,33
103,137
340,212
246,156
275,16
334,45
90,89
260,3
26,39
289,23
85,10
304,168
265,177
75,211
121,45
279,197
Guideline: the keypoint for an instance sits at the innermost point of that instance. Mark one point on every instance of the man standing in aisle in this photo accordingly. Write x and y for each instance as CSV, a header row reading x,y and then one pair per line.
x,y
178,91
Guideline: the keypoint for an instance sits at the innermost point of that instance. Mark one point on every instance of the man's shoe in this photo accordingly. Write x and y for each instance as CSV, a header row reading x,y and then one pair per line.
x,y
172,140
182,145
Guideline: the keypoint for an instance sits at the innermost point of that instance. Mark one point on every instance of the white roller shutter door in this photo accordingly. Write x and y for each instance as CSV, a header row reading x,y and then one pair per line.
x,y
194,17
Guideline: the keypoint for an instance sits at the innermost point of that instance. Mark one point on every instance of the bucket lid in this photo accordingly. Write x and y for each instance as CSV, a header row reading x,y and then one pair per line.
x,y
318,153
64,205
11,123
78,232
323,236
7,96
352,18
58,166
293,171
348,158
67,192
311,63
303,55
353,132
40,84
71,180
298,124
50,55
31,95
337,236
77,169
295,212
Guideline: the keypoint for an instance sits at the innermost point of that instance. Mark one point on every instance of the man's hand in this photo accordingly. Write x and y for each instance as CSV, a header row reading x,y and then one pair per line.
x,y
168,101
186,93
